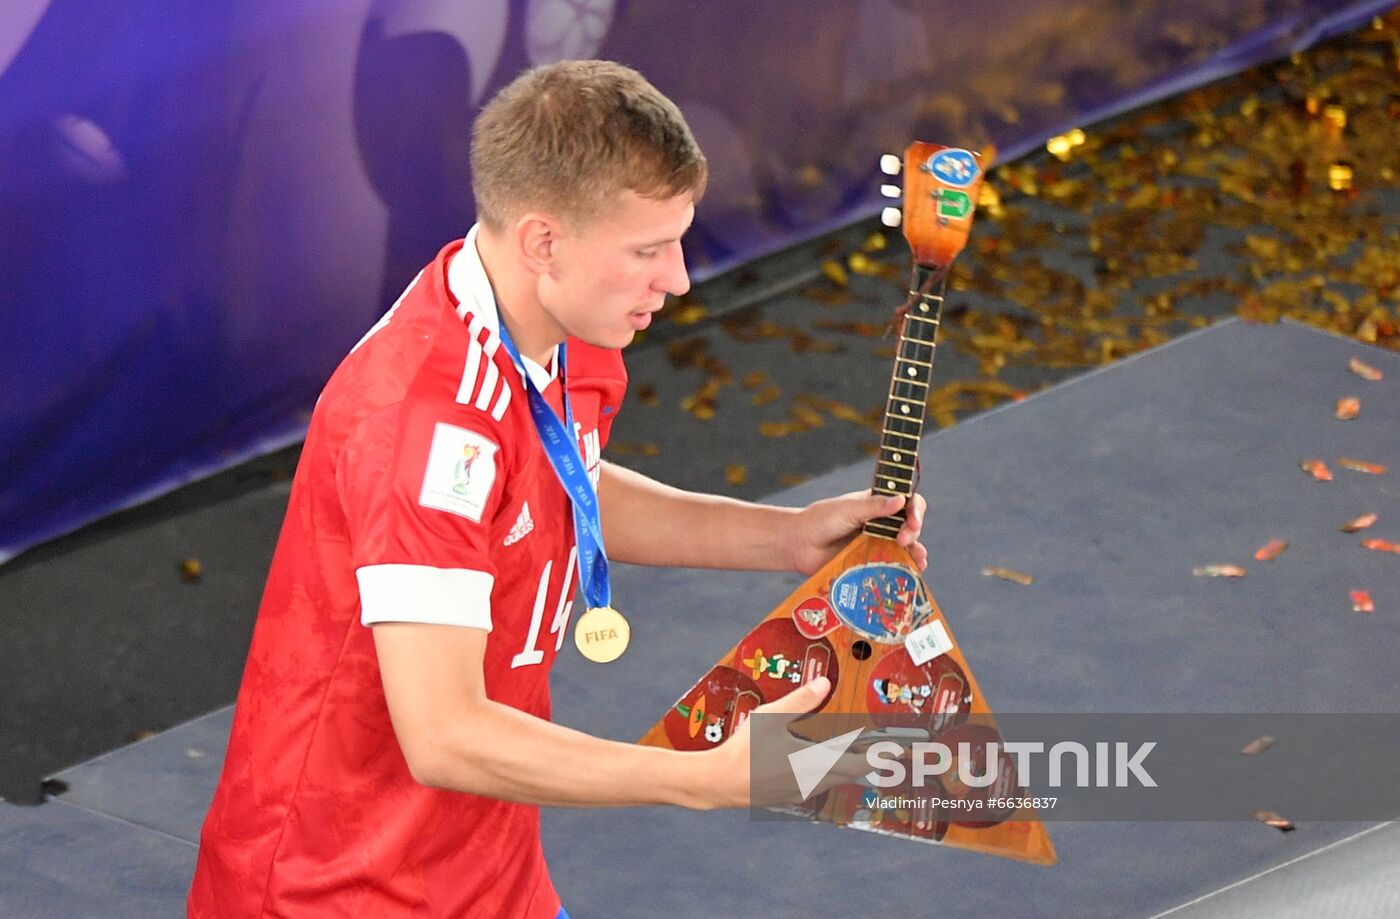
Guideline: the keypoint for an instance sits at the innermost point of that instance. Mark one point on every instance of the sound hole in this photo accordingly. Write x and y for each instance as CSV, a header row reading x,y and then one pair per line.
x,y
860,650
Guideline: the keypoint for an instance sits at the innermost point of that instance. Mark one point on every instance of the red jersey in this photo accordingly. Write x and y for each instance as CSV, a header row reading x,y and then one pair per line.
x,y
423,494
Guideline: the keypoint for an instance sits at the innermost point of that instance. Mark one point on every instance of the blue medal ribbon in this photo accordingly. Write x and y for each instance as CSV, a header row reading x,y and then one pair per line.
x,y
561,446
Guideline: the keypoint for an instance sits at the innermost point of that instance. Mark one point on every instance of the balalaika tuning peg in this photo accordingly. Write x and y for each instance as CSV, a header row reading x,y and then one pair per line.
x,y
890,191
891,216
890,164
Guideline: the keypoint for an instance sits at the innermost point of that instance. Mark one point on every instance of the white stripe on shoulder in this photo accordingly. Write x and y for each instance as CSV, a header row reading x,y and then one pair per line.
x,y
421,593
466,390
489,382
481,378
499,410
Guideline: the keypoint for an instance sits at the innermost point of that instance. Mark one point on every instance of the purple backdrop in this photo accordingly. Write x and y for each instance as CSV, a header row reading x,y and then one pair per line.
x,y
204,205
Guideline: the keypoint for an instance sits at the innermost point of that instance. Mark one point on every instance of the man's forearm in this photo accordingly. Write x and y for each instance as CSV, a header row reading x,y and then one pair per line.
x,y
648,523
501,752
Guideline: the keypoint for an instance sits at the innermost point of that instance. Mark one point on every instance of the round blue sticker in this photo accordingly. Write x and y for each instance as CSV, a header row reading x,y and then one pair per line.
x,y
956,167
880,601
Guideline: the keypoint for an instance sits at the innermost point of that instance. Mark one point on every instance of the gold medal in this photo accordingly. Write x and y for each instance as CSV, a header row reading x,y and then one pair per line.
x,y
602,634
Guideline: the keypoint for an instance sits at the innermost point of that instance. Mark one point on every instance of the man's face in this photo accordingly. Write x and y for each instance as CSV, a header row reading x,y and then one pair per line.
x,y
612,274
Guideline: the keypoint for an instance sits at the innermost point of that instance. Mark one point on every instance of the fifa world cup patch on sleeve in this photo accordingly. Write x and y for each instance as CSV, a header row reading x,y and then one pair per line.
x,y
460,471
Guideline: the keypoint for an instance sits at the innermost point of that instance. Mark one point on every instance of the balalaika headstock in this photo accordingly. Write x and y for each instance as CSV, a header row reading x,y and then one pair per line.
x,y
941,185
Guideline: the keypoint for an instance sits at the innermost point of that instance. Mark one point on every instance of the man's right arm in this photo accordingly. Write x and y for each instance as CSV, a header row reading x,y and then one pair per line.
x,y
454,737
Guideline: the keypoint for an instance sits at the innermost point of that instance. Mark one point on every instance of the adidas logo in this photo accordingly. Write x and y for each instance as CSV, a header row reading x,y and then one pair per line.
x,y
522,526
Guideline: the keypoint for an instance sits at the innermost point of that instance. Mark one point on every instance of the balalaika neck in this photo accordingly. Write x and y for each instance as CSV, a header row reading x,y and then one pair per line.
x,y
909,385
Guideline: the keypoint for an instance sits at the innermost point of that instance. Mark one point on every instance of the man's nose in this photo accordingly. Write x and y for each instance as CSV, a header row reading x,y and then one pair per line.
x,y
675,279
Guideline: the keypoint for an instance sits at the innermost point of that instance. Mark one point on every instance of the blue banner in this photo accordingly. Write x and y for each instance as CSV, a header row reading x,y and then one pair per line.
x,y
204,205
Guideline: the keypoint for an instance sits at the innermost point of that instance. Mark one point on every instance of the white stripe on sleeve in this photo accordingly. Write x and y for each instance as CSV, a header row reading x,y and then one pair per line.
x,y
421,593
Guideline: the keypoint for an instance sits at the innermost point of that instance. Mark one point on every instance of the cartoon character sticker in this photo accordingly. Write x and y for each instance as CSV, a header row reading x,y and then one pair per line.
x,y
814,617
880,601
779,658
937,690
712,710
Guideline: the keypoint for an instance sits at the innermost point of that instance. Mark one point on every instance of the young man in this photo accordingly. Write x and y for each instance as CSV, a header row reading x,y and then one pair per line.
x,y
392,742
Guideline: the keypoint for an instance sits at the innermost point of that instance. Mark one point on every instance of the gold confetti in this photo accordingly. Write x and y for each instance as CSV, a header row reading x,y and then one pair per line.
x,y
689,314
701,403
875,242
807,416
1271,550
792,478
1361,602
829,296
647,394
687,352
1335,117
1348,408
735,474
767,394
191,571
835,273
843,412
779,428
1360,523
1317,469
1218,571
1061,145
1008,574
1258,745
1364,370
1357,465
802,343
989,202
754,379
1340,176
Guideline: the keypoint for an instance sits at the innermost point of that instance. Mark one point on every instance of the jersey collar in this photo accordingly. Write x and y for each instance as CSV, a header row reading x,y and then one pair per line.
x,y
471,288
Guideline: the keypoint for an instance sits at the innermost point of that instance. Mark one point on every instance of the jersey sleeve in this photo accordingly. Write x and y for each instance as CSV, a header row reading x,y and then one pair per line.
x,y
420,486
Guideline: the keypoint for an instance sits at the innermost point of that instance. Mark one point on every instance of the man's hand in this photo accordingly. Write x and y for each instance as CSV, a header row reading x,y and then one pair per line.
x,y
732,780
822,528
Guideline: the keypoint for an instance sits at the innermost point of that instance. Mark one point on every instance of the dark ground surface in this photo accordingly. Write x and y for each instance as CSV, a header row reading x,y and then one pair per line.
x,y
1212,204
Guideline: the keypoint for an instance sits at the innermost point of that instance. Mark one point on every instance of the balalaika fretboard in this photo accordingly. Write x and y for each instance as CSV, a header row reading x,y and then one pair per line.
x,y
903,422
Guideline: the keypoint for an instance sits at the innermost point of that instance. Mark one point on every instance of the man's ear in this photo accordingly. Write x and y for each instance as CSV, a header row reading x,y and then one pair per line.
x,y
536,235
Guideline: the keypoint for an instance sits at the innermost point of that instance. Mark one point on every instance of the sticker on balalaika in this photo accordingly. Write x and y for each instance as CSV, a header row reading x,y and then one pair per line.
x,y
814,618
880,601
928,641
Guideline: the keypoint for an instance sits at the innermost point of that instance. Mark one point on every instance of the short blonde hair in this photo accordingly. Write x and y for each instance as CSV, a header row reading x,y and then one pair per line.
x,y
568,137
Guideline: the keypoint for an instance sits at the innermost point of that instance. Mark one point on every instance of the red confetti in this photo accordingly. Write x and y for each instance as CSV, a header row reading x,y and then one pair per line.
x,y
1274,820
1362,466
1271,550
1380,545
1365,370
1361,602
1348,408
1317,469
1360,523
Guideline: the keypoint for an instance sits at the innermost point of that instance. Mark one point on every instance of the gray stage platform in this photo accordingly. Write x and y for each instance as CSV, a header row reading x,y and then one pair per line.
x,y
1109,489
